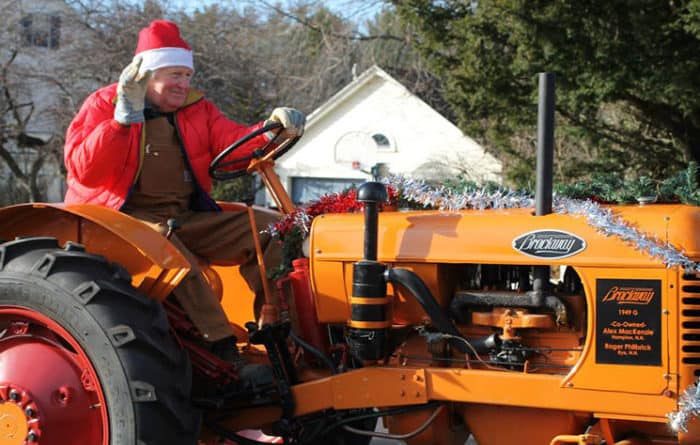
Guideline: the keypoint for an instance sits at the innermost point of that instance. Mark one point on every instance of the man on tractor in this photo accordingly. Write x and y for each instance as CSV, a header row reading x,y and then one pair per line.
x,y
143,146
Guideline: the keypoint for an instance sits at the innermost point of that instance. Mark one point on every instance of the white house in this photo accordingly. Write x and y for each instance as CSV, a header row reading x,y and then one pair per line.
x,y
36,36
376,122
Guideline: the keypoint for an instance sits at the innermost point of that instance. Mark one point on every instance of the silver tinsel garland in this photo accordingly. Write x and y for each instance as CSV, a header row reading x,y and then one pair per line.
x,y
444,198
689,403
602,219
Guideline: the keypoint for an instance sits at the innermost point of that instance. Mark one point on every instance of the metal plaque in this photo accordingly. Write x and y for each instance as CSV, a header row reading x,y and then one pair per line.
x,y
549,244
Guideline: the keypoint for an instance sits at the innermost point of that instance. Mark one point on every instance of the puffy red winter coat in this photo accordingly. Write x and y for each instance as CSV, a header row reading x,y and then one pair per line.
x,y
103,157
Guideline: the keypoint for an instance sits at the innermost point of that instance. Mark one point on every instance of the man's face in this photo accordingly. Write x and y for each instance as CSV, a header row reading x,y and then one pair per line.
x,y
168,87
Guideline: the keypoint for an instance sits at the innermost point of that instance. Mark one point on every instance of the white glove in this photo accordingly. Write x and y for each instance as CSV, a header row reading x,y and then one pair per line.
x,y
291,119
131,93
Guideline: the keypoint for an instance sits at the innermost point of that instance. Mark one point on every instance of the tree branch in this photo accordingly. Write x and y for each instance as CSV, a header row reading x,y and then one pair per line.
x,y
356,36
35,192
12,164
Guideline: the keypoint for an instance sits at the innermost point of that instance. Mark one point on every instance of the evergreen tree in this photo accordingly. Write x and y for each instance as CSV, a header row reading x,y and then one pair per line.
x,y
628,78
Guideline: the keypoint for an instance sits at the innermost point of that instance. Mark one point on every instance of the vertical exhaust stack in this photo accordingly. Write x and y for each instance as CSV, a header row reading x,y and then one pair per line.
x,y
367,334
545,144
545,156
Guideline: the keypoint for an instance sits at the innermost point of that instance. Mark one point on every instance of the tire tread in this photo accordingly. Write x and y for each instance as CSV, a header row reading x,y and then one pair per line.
x,y
158,371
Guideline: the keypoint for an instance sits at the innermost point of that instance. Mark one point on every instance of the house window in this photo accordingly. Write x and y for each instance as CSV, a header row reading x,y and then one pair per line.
x,y
309,189
41,29
383,142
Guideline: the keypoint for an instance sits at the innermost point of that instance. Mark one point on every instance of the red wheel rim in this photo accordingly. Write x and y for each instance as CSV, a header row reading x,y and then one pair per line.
x,y
49,390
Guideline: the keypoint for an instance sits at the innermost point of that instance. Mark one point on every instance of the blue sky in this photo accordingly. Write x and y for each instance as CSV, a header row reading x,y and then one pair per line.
x,y
357,10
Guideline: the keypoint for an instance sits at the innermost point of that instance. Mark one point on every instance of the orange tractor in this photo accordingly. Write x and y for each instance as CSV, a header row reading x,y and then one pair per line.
x,y
440,323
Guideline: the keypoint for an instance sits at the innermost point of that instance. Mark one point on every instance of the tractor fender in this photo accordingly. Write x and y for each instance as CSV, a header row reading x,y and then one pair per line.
x,y
155,264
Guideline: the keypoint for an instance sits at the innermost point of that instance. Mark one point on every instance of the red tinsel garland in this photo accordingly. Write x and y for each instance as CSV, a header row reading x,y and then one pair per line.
x,y
342,202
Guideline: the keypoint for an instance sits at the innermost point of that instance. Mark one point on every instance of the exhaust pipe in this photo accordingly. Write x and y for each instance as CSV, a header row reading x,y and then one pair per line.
x,y
545,144
368,332
545,156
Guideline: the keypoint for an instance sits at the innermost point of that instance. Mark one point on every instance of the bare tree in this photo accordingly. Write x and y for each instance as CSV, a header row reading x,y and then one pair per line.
x,y
315,51
29,142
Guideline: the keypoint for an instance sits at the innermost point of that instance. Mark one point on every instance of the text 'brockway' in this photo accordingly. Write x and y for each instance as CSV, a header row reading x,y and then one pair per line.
x,y
629,295
549,244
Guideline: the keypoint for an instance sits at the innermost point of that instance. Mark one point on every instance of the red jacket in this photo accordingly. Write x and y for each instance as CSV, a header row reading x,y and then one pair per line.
x,y
103,157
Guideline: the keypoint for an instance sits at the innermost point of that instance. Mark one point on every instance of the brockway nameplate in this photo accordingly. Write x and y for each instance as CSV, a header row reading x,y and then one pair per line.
x,y
549,244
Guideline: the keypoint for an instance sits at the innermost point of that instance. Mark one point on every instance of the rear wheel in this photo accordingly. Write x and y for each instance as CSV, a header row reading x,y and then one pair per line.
x,y
84,357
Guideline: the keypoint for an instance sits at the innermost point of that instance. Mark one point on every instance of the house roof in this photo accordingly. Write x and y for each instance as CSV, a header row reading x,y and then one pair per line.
x,y
375,100
349,90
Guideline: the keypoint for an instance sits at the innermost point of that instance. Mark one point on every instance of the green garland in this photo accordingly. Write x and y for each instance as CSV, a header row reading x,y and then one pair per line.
x,y
291,250
611,188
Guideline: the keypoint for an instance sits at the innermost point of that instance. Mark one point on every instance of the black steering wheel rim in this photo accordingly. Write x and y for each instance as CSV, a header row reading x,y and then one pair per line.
x,y
216,165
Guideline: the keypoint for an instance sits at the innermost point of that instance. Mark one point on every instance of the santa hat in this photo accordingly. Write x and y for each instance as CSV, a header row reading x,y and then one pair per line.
x,y
160,45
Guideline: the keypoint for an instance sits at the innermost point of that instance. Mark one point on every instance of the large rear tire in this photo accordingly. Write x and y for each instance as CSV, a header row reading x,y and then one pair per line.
x,y
84,357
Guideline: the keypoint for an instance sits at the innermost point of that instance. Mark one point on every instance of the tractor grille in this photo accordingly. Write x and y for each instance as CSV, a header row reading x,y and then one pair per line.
x,y
690,325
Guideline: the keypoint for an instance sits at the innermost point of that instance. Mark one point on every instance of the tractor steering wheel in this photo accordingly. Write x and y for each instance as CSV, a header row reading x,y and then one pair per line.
x,y
216,168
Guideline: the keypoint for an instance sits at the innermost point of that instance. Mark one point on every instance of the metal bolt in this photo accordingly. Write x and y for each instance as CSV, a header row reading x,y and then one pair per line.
x,y
14,395
32,437
64,395
29,412
570,384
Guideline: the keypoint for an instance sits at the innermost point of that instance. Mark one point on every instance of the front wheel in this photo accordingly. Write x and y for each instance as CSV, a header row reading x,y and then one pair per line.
x,y
84,357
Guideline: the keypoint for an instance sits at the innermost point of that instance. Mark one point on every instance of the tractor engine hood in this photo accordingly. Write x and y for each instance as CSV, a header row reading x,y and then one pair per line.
x,y
429,241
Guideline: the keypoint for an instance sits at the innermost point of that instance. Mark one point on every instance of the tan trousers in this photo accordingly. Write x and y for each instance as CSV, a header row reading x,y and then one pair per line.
x,y
219,238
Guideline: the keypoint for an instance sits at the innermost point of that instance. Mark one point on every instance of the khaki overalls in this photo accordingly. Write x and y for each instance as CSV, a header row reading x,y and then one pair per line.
x,y
163,191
